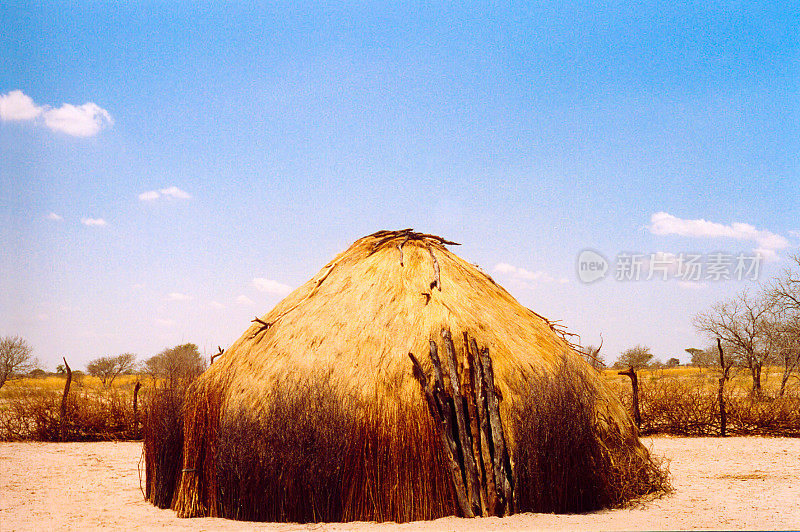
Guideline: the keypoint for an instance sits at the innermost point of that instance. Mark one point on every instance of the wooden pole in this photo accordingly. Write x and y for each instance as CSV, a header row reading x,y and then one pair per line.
x,y
637,417
447,444
465,442
502,480
473,410
469,428
485,440
63,417
723,418
136,409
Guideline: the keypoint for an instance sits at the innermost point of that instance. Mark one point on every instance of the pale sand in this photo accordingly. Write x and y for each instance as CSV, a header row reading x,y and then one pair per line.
x,y
719,483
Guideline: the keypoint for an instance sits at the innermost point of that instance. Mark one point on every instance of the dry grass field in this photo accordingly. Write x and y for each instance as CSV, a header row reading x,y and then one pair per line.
x,y
731,483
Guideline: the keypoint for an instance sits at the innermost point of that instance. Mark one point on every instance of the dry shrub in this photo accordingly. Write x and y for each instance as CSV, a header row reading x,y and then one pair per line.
x,y
163,441
91,415
286,463
690,407
765,416
679,407
563,464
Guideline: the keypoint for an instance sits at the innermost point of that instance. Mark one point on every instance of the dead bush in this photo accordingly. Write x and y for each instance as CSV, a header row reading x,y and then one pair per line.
x,y
563,464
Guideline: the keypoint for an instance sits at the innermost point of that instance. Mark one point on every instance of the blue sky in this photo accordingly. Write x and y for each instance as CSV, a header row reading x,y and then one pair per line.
x,y
279,134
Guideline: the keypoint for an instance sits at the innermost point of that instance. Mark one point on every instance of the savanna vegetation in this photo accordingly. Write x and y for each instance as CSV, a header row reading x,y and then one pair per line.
x,y
759,333
107,402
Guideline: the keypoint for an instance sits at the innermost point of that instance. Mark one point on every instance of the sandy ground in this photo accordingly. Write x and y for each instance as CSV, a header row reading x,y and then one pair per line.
x,y
732,483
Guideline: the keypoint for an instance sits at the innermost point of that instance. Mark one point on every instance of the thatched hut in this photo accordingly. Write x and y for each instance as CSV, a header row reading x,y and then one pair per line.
x,y
399,383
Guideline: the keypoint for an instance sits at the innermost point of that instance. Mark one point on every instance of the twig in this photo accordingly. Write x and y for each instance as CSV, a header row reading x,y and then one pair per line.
x,y
436,283
264,326
221,352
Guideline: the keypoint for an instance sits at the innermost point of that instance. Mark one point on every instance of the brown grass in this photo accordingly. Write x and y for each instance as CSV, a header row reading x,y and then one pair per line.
x,y
562,463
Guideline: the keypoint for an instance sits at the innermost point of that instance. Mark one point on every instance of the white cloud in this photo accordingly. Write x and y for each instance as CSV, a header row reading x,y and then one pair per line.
x,y
215,305
173,192
93,222
54,217
177,296
271,287
527,275
138,286
165,323
18,106
245,301
767,243
794,233
77,120
149,195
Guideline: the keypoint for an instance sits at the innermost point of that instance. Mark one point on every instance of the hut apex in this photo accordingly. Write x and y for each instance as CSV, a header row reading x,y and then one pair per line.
x,y
399,383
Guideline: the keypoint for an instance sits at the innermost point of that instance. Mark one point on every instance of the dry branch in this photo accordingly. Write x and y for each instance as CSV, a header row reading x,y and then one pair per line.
x,y
215,355
264,326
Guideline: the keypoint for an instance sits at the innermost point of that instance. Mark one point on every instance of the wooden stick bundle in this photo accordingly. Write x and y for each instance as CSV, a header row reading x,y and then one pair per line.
x,y
466,413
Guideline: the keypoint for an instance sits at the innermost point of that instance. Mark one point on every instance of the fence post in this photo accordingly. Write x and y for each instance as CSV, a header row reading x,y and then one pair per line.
x,y
637,417
135,410
62,418
720,396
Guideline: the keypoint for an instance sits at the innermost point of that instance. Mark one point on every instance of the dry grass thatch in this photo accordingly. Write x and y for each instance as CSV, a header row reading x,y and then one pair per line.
x,y
314,414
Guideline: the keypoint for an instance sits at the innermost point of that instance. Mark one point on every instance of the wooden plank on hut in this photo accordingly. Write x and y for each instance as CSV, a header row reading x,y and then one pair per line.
x,y
485,439
502,480
471,478
447,445
474,422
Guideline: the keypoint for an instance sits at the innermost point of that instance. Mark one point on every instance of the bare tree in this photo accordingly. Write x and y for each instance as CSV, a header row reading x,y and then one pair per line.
x,y
636,357
16,356
785,290
785,333
109,368
742,323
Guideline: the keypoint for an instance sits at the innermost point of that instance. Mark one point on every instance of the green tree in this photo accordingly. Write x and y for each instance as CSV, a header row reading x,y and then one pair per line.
x,y
637,357
703,358
179,363
109,368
